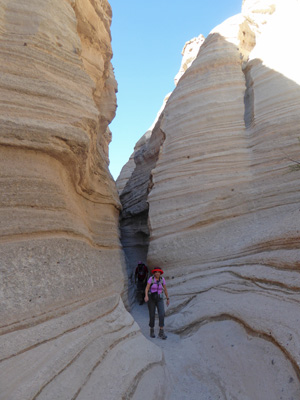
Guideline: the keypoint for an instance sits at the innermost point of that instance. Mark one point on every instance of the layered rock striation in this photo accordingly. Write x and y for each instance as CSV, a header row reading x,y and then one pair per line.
x,y
62,321
223,205
135,180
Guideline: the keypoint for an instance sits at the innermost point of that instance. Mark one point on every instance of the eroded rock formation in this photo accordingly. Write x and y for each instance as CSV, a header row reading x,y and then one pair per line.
x,y
135,180
210,187
224,206
62,321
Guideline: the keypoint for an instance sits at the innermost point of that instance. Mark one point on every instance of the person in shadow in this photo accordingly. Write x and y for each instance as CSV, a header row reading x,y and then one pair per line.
x,y
140,279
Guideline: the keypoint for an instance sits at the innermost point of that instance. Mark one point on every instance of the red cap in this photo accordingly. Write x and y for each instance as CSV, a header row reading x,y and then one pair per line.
x,y
157,270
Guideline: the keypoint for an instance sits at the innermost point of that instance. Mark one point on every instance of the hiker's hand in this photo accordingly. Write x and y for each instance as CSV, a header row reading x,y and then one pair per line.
x,y
168,302
146,299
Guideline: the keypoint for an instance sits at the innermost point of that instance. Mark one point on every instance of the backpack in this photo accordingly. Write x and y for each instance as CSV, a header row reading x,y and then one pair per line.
x,y
160,282
141,272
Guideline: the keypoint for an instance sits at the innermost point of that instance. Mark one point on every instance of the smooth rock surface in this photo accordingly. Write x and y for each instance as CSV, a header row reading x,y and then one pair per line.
x,y
64,331
224,206
200,363
135,180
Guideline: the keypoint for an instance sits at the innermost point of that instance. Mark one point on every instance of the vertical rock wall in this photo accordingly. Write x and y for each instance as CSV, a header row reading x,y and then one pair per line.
x,y
135,180
224,206
62,321
134,216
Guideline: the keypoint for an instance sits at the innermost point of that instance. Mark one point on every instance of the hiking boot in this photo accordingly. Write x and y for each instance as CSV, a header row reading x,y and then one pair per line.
x,y
152,333
162,334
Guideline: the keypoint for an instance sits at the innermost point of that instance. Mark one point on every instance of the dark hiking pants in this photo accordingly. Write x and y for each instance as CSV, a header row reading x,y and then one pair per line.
x,y
140,290
158,302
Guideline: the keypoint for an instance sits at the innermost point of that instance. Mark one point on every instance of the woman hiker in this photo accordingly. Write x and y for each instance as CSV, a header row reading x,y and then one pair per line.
x,y
157,285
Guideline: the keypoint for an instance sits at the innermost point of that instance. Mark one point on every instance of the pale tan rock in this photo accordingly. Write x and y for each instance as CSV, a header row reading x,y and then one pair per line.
x,y
129,167
62,321
189,53
54,177
223,207
135,180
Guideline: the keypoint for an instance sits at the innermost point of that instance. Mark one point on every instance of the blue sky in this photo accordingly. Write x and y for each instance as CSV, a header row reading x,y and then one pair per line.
x,y
147,40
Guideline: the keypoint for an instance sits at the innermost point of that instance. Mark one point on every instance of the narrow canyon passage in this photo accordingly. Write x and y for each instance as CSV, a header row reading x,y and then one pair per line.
x,y
222,206
210,194
220,361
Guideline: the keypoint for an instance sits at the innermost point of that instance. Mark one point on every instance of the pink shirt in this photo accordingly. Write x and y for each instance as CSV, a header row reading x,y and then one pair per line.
x,y
156,287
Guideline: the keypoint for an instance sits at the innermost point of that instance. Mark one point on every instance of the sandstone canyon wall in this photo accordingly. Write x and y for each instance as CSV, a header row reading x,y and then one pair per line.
x,y
64,332
224,205
135,180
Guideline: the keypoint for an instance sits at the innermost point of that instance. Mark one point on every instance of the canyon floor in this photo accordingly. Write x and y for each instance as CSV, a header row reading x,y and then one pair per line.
x,y
221,361
180,382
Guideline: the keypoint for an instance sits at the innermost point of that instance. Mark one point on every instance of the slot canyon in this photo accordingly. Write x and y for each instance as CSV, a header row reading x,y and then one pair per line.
x,y
209,194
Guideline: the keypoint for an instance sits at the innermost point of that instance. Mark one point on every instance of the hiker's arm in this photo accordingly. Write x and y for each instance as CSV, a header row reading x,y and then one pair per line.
x,y
146,292
166,293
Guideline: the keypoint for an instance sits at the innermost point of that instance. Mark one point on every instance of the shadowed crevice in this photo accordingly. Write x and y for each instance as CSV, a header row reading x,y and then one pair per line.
x,y
134,227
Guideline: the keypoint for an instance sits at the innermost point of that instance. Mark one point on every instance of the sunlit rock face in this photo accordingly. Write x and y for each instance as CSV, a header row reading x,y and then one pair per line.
x,y
135,180
224,205
189,53
62,321
133,185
